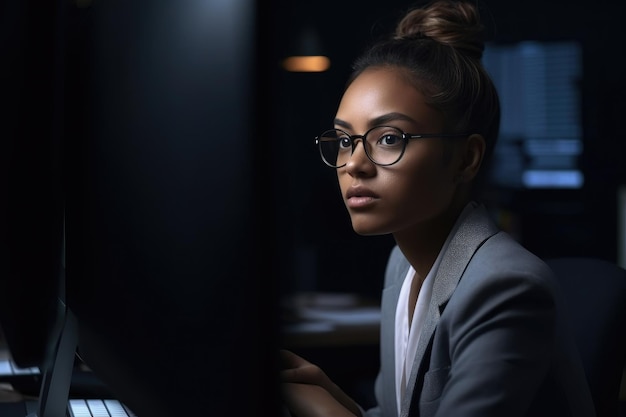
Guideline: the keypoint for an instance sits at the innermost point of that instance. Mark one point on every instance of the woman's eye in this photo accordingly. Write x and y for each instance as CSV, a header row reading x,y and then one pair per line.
x,y
345,142
389,140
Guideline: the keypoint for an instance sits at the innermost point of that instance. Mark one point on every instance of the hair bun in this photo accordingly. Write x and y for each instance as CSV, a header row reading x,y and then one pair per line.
x,y
453,23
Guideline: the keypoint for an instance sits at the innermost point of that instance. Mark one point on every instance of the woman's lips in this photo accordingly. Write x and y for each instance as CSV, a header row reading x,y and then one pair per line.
x,y
360,201
360,197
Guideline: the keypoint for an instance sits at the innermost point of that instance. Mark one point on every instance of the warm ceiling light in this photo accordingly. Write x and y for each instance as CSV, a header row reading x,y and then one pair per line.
x,y
305,52
317,63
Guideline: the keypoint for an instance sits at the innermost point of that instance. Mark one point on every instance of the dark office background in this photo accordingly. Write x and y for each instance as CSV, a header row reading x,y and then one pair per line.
x,y
310,230
320,250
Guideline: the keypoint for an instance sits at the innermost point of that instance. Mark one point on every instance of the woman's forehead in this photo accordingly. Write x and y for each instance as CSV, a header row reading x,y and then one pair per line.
x,y
377,92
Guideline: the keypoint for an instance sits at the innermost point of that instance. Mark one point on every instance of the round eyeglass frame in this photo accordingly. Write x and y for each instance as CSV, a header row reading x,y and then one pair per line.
x,y
405,137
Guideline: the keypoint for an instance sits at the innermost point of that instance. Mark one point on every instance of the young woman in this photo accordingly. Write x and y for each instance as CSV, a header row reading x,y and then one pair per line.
x,y
471,321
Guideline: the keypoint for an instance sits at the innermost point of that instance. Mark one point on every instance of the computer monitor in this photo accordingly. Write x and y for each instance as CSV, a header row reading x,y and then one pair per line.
x,y
166,220
169,288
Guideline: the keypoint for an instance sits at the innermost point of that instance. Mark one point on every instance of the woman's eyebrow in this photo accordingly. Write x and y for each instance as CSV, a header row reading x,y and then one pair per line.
x,y
341,123
380,120
391,117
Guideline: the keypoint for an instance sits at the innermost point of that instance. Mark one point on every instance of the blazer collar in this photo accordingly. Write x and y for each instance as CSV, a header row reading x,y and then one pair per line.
x,y
470,235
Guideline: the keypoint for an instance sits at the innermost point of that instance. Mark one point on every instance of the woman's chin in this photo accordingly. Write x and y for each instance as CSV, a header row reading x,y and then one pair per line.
x,y
367,229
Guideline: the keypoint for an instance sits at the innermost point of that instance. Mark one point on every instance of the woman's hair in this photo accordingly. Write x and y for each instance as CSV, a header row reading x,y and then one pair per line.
x,y
440,45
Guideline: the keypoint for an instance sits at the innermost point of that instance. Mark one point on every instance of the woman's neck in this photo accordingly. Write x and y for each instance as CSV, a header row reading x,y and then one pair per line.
x,y
422,243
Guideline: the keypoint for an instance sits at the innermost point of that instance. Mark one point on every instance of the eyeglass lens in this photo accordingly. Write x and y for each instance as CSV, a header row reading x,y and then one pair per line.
x,y
383,145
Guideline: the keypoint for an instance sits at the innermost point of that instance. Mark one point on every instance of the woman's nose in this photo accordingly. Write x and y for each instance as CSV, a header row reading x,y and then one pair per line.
x,y
359,163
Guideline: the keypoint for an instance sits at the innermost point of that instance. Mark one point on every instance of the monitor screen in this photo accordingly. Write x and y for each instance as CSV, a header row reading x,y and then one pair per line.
x,y
165,214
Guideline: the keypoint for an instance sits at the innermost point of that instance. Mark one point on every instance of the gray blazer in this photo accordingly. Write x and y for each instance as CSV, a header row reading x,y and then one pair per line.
x,y
493,343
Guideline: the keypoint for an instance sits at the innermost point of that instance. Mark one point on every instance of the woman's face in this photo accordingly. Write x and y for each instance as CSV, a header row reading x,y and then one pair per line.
x,y
417,188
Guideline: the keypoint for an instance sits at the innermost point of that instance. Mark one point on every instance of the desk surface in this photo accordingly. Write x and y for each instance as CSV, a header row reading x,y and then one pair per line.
x,y
325,320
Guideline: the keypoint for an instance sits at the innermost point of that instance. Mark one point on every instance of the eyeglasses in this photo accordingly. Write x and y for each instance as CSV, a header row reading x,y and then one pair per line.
x,y
384,145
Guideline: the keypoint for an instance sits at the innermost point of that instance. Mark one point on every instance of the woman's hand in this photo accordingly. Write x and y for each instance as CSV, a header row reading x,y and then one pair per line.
x,y
297,369
308,389
308,400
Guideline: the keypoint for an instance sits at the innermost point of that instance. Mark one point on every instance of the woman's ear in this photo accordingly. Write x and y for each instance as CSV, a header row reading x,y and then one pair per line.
x,y
471,157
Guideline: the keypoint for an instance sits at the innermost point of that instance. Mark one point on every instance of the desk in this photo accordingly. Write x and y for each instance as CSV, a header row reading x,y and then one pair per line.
x,y
321,335
339,333
330,320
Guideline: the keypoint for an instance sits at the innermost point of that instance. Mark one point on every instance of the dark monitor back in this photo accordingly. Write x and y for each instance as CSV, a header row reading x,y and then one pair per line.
x,y
165,224
31,185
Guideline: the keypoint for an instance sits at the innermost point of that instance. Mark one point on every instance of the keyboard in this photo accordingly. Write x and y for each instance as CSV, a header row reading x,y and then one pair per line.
x,y
27,380
75,408
98,408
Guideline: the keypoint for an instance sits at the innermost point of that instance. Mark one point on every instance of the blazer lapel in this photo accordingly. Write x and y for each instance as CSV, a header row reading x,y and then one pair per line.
x,y
471,234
